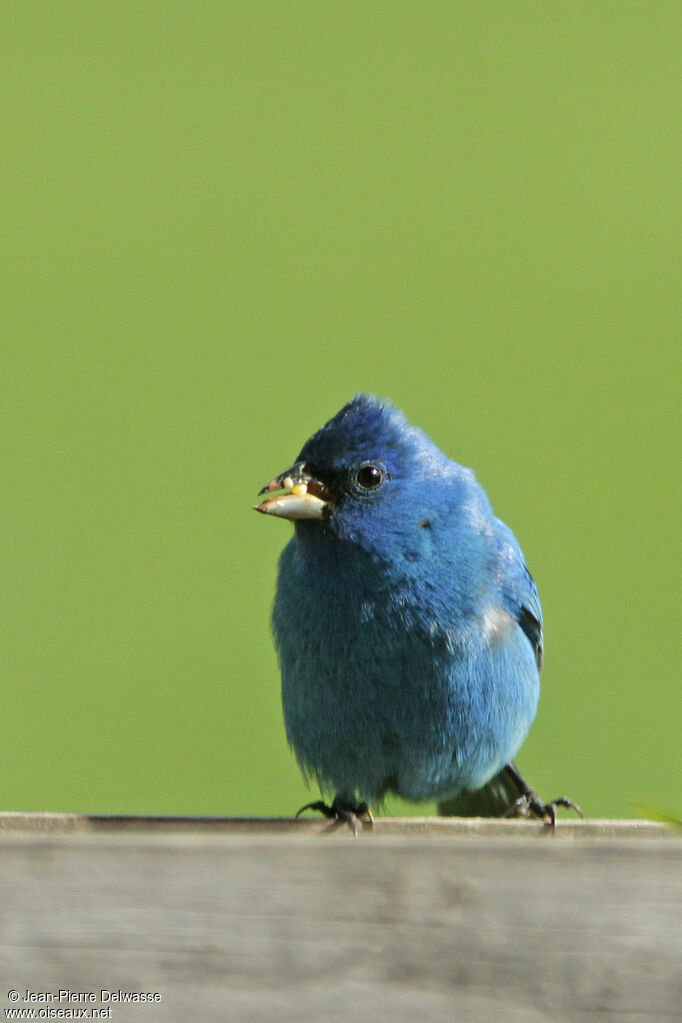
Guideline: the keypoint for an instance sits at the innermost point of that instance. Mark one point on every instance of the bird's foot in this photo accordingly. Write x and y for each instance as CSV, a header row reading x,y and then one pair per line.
x,y
529,804
343,811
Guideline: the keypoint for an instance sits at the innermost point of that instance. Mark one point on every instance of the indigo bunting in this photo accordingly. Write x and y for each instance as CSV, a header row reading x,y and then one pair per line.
x,y
407,626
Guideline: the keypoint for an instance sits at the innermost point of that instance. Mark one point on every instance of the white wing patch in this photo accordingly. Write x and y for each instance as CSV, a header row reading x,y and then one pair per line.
x,y
496,624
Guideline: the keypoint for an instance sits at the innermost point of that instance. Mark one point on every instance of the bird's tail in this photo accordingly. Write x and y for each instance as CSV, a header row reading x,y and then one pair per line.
x,y
493,800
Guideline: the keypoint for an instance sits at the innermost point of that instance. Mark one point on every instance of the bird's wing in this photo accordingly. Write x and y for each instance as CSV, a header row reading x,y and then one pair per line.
x,y
519,592
520,597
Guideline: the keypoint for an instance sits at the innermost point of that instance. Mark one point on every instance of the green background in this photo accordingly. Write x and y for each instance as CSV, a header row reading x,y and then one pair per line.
x,y
221,220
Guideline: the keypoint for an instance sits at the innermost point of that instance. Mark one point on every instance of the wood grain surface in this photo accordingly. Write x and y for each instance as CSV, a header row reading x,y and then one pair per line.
x,y
285,921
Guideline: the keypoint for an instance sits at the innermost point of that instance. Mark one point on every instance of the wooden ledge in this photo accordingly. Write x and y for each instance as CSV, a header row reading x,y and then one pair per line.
x,y
425,827
426,919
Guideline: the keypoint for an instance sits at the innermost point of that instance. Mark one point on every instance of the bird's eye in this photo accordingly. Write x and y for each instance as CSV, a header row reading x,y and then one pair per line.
x,y
369,477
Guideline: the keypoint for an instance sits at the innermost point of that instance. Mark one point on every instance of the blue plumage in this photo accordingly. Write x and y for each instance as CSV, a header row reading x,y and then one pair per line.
x,y
408,628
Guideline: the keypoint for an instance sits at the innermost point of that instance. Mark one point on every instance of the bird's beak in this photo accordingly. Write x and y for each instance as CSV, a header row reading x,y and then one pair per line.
x,y
304,496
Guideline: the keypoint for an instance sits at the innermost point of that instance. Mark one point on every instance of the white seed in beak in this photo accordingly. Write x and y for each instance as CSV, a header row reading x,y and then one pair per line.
x,y
295,505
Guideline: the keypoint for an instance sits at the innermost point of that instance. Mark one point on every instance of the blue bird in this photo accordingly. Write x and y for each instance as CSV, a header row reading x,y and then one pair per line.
x,y
407,626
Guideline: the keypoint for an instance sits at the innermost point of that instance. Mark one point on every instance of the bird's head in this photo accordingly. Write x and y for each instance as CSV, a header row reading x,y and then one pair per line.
x,y
365,474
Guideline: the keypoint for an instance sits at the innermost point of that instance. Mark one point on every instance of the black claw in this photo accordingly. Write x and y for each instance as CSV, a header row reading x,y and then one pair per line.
x,y
343,811
569,804
320,807
529,803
